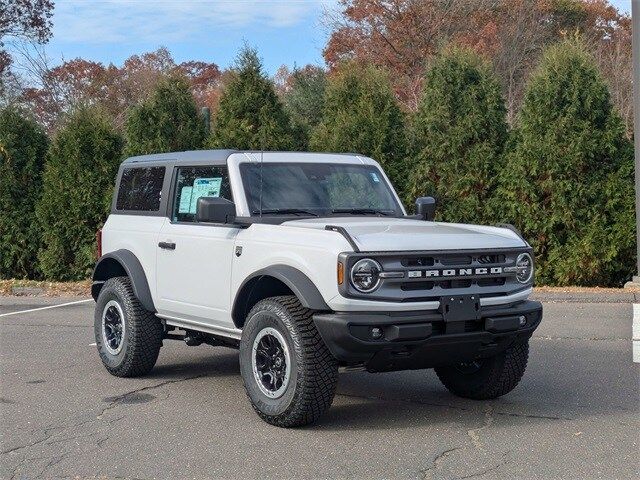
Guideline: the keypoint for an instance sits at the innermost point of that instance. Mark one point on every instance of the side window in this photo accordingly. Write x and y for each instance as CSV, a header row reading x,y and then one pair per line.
x,y
193,183
140,189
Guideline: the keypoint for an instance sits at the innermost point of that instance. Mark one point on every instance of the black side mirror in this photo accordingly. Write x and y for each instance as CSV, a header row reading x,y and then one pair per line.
x,y
426,208
215,210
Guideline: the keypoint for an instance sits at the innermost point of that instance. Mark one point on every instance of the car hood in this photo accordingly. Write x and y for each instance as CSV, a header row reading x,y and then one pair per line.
x,y
379,234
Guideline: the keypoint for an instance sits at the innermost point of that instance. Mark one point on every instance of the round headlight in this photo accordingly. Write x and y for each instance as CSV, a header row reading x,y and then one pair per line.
x,y
365,275
524,263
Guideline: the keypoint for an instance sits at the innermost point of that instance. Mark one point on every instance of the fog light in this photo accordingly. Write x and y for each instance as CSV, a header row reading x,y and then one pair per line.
x,y
376,333
523,320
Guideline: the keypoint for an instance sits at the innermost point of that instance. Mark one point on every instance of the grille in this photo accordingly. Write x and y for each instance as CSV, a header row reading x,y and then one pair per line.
x,y
429,276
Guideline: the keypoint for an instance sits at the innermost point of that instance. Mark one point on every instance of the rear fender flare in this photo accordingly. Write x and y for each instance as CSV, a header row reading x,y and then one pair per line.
x,y
119,263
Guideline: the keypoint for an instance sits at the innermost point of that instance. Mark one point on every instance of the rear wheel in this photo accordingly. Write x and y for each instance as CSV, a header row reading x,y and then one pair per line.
x,y
289,374
487,378
128,337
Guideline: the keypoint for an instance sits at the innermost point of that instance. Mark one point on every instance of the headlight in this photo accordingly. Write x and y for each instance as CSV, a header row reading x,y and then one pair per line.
x,y
524,265
365,275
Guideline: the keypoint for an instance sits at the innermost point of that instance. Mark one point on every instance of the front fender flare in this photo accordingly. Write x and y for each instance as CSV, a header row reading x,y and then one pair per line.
x,y
301,286
131,266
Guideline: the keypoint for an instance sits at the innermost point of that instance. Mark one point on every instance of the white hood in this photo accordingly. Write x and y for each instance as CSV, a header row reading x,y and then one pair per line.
x,y
379,234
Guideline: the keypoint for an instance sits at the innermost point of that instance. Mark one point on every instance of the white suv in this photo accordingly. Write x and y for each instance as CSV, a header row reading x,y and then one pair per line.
x,y
306,262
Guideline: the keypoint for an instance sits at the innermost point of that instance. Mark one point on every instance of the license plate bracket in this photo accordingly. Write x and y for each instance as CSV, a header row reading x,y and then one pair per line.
x,y
457,308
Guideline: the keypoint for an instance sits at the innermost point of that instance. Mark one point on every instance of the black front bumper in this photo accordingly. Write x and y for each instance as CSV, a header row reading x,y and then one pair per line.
x,y
415,340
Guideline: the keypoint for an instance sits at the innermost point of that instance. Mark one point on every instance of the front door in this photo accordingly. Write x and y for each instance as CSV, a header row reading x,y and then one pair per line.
x,y
194,259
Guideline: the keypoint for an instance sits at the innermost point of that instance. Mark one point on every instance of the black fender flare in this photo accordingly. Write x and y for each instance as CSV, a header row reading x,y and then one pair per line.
x,y
123,262
301,286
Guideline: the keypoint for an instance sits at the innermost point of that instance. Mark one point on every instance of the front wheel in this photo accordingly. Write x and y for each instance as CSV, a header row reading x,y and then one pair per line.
x,y
289,374
487,378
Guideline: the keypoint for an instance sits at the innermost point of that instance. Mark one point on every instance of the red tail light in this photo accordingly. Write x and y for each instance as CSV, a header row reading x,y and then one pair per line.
x,y
99,243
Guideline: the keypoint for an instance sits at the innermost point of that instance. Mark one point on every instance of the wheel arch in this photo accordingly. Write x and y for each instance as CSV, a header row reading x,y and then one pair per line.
x,y
273,281
123,263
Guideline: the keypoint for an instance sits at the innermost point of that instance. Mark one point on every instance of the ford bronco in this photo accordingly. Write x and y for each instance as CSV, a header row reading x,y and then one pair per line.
x,y
307,263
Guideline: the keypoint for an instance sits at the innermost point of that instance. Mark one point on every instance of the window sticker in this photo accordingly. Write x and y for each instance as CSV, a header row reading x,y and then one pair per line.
x,y
374,177
204,187
185,199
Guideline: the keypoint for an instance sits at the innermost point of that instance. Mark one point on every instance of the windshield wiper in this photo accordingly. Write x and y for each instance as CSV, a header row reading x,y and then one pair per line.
x,y
284,211
363,211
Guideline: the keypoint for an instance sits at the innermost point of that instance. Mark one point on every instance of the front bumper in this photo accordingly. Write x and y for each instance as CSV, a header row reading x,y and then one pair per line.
x,y
415,340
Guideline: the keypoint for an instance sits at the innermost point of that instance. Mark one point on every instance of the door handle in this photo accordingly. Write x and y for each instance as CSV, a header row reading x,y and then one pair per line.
x,y
167,245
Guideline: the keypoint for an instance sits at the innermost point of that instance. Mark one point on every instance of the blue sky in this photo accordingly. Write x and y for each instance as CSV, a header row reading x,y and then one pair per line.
x,y
284,31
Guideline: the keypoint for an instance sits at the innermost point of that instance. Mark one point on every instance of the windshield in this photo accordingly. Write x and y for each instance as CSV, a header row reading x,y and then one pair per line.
x,y
317,189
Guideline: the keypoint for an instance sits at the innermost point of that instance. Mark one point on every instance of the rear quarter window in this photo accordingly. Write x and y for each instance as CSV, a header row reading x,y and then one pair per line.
x,y
140,189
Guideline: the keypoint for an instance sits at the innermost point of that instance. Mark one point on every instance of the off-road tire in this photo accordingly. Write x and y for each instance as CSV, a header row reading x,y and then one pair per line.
x,y
496,376
314,371
142,336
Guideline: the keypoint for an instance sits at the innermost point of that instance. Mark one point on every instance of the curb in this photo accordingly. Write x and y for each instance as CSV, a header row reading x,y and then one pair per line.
x,y
587,297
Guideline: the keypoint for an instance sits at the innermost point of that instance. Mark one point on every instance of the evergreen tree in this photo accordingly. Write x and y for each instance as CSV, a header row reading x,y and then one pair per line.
x,y
568,180
167,122
304,101
23,146
78,184
361,115
458,137
250,114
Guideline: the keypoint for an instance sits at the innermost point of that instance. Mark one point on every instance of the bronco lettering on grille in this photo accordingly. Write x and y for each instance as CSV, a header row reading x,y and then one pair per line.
x,y
457,272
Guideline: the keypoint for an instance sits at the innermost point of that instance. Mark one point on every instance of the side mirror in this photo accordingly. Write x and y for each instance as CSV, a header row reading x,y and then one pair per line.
x,y
215,210
426,208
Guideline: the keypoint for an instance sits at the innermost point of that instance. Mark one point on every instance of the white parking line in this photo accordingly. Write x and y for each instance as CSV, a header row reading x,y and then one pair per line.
x,y
636,332
46,308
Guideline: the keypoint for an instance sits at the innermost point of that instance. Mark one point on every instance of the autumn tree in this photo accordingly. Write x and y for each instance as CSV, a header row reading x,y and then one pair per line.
x,y
78,184
567,183
250,114
458,136
26,20
115,89
23,146
167,122
362,115
303,96
404,36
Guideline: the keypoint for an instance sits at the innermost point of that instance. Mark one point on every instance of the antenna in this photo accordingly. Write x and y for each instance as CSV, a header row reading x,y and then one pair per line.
x,y
261,159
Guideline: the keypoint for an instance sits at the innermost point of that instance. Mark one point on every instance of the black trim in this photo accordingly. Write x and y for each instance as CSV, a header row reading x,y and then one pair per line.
x,y
129,265
414,340
301,286
343,231
508,226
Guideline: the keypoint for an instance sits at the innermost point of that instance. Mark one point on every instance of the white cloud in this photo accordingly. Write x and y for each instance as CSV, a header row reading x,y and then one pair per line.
x,y
115,21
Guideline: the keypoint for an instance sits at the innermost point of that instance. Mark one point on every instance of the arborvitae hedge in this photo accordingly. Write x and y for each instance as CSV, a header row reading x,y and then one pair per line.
x,y
361,115
458,137
304,102
250,114
167,122
568,180
23,146
78,184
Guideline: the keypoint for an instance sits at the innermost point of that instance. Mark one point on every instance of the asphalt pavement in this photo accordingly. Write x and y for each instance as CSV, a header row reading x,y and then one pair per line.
x,y
574,415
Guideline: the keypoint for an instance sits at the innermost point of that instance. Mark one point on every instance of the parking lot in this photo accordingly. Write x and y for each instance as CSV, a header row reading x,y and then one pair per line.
x,y
574,415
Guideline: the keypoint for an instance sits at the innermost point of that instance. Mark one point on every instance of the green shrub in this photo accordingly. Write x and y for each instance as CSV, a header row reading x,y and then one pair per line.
x,y
250,115
361,115
78,184
568,179
304,102
167,122
458,136
23,146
